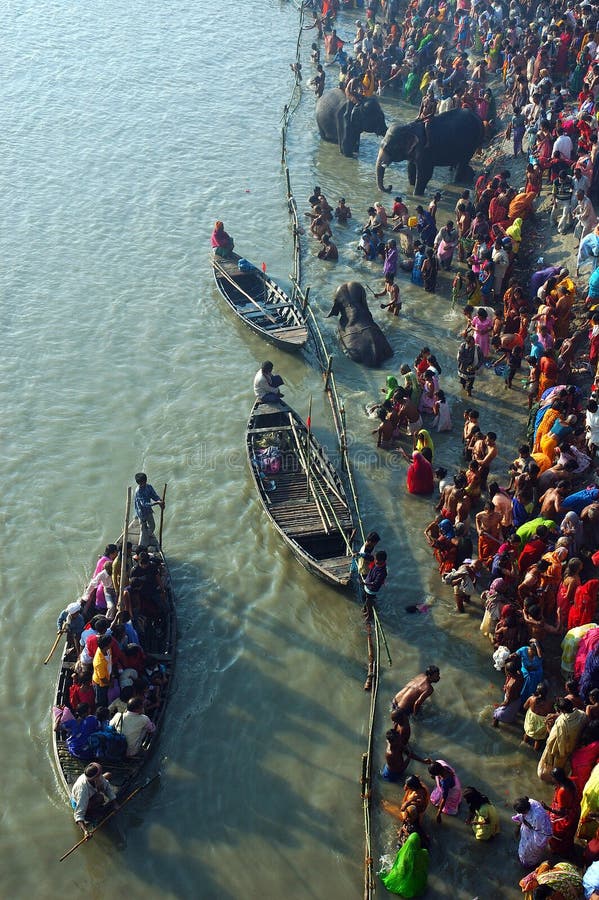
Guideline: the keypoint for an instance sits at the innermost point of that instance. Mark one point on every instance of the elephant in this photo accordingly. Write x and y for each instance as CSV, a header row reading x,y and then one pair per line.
x,y
360,336
453,137
342,122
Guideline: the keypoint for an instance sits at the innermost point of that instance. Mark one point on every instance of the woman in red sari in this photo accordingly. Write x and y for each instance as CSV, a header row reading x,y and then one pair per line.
x,y
585,604
564,813
585,757
560,65
567,590
420,477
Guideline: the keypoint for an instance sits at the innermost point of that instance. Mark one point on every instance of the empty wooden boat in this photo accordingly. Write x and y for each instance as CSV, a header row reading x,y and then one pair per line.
x,y
301,491
260,303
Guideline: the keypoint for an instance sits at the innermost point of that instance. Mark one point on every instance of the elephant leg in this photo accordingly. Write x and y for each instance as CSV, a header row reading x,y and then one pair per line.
x,y
423,176
463,173
345,130
412,172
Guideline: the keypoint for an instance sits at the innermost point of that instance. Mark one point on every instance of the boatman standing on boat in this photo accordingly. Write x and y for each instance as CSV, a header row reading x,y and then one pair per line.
x,y
92,796
266,385
145,498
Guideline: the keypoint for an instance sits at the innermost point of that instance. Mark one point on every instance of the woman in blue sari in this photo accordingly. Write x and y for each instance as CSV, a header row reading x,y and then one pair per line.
x,y
531,666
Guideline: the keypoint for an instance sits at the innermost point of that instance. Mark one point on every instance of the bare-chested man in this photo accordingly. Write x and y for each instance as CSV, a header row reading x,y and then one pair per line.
x,y
397,752
551,502
410,418
484,452
454,503
490,537
412,696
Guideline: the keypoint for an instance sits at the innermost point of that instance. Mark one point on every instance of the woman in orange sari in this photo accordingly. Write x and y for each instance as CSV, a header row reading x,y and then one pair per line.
x,y
551,579
546,424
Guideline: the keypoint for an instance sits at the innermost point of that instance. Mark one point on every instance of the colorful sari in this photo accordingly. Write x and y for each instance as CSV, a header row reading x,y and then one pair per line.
x,y
454,796
535,831
563,877
561,742
409,873
585,604
589,804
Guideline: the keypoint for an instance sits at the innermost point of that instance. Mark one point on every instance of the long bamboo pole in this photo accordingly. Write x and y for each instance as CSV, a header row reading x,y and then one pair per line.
x,y
54,646
161,517
309,424
109,816
123,576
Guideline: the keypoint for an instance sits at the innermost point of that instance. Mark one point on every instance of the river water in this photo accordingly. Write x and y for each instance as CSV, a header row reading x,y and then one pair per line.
x,y
128,129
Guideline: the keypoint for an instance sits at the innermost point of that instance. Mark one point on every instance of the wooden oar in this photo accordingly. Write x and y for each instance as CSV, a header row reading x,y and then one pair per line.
x,y
226,275
103,821
161,517
54,646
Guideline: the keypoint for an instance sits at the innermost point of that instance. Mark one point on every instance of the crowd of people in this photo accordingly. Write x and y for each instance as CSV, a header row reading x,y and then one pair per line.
x,y
116,688
526,540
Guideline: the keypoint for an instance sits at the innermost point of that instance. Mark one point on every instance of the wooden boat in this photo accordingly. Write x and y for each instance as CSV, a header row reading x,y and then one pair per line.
x,y
317,525
159,643
260,303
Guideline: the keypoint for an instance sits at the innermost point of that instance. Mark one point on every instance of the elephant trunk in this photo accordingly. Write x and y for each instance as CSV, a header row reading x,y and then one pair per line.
x,y
382,161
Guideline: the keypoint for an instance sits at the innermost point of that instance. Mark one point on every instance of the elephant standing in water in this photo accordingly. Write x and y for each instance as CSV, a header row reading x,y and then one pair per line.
x,y
451,140
342,122
360,336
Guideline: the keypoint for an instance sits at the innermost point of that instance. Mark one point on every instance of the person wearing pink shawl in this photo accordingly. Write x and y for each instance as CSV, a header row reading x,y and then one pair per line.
x,y
447,795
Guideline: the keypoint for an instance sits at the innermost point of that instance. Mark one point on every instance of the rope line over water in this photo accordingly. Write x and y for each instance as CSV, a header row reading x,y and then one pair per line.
x,y
325,362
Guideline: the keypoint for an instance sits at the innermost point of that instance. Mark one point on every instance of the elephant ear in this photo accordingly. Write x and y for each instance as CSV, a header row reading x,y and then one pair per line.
x,y
412,143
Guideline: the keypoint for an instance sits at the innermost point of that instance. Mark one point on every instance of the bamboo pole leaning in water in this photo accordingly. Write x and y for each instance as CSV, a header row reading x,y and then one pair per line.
x,y
123,573
54,646
161,517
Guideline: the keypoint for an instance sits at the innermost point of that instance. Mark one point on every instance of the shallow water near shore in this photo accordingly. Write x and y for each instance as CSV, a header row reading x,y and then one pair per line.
x,y
128,129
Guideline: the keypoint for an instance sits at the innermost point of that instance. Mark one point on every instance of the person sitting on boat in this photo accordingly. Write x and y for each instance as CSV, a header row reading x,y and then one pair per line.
x,y
145,588
134,658
102,627
266,385
92,796
221,242
71,622
78,730
134,725
81,691
124,619
145,498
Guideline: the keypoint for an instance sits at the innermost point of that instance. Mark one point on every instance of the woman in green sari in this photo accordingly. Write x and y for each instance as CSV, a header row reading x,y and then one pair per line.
x,y
409,873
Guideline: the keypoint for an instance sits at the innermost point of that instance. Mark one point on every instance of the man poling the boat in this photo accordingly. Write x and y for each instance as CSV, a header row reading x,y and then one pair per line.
x,y
92,797
145,498
266,384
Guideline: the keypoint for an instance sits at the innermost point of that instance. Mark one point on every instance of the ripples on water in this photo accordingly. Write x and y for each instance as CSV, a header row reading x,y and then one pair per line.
x,y
127,131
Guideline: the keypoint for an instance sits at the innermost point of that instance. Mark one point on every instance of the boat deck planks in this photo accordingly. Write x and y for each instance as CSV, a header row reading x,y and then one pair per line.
x,y
316,527
260,303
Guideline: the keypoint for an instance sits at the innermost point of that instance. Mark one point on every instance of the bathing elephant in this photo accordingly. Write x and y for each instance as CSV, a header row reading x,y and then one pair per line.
x,y
453,137
342,122
360,336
